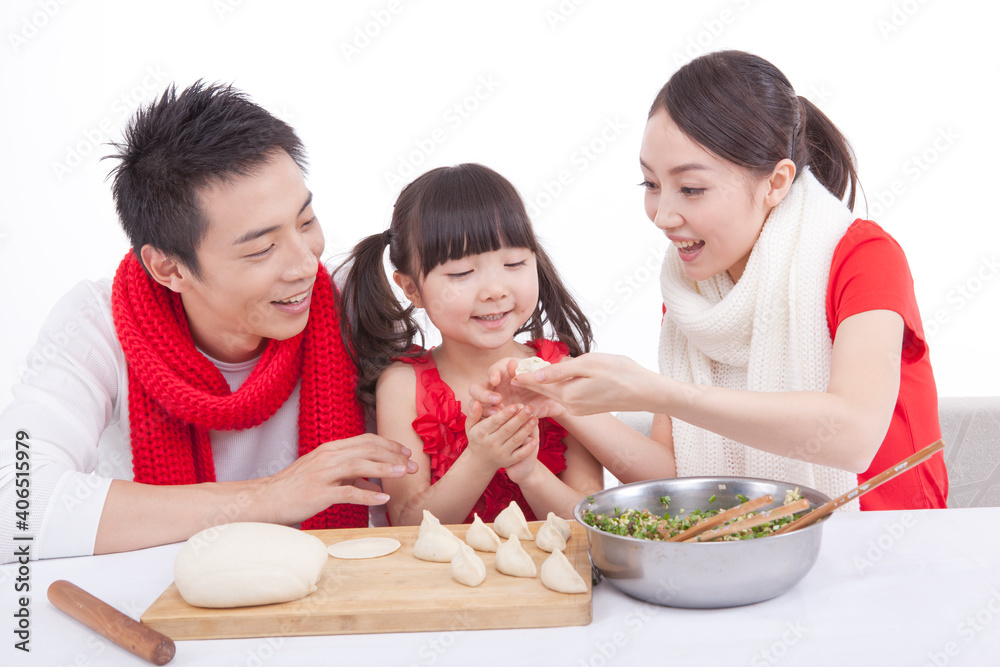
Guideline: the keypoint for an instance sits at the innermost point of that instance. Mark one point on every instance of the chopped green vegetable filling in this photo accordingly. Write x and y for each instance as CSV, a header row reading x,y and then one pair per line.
x,y
646,525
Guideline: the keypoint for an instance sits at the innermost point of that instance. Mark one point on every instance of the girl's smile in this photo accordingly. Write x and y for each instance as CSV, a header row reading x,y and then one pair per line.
x,y
480,300
494,321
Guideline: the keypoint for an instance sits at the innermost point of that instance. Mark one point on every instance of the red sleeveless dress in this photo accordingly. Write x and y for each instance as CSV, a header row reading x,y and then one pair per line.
x,y
440,424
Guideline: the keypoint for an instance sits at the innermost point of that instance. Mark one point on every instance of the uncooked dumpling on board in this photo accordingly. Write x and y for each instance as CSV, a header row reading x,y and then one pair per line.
x,y
481,537
437,544
468,568
511,522
560,524
558,574
549,538
429,521
512,559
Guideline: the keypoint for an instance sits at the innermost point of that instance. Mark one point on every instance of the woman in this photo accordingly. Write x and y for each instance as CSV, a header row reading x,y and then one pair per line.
x,y
791,346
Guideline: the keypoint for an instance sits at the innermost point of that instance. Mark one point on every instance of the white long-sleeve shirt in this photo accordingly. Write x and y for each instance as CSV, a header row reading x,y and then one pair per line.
x,y
72,402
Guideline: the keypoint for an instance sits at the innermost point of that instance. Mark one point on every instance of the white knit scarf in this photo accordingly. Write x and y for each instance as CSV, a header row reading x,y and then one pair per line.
x,y
768,332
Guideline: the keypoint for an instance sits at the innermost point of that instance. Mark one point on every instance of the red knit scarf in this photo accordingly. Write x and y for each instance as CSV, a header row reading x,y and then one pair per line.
x,y
176,395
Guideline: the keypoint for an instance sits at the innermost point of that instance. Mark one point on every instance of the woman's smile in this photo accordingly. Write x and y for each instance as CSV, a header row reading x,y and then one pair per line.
x,y
688,250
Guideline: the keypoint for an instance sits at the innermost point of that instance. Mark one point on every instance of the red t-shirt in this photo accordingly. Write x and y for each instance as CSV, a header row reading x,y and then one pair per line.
x,y
869,272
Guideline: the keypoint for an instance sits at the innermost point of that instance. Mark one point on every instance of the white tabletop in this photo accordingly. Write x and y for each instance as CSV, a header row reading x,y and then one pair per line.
x,y
889,588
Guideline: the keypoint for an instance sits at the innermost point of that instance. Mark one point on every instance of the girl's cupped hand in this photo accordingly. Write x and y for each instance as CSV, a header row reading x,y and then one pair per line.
x,y
503,439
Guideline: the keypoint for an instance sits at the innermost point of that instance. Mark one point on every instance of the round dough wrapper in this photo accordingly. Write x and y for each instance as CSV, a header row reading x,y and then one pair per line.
x,y
248,564
365,547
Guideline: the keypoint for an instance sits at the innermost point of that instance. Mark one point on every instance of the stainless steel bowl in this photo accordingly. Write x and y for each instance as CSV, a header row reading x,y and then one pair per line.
x,y
701,575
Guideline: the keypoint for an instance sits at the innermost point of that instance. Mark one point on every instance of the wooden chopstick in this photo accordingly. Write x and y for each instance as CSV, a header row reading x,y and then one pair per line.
x,y
753,521
722,517
879,479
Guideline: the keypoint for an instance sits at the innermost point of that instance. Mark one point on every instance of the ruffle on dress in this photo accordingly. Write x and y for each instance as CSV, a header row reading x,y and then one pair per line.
x,y
440,423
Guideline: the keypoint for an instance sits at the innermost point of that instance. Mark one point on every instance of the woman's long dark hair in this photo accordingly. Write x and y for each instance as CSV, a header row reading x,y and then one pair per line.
x,y
743,109
446,214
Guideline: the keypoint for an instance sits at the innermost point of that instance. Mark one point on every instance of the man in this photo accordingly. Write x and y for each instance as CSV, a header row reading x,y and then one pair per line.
x,y
209,382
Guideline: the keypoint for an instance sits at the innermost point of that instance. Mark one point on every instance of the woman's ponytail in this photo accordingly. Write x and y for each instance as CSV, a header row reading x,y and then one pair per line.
x,y
375,325
743,109
826,152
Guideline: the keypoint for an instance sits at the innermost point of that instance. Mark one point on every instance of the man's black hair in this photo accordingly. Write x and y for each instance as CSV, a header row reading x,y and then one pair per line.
x,y
180,143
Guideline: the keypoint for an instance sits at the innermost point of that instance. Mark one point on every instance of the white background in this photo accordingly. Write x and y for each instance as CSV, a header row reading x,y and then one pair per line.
x,y
372,88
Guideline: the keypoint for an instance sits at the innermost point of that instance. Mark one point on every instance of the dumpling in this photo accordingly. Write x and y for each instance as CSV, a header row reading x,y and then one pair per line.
x,y
468,568
481,537
512,559
559,575
511,522
429,521
530,365
437,544
560,524
549,538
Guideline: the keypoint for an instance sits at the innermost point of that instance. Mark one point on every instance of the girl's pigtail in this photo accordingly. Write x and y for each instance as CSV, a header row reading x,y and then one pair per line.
x,y
559,310
376,326
825,150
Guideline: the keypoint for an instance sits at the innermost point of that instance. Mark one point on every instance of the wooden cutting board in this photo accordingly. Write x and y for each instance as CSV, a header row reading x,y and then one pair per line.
x,y
394,593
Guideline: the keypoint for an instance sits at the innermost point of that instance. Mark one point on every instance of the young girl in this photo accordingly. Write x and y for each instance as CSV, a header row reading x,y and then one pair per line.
x,y
791,346
464,251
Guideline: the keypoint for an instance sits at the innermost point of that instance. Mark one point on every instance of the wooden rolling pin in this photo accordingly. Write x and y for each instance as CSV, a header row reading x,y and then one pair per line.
x,y
108,622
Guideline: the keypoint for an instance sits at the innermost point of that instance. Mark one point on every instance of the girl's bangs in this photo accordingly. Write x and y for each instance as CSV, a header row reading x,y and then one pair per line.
x,y
472,214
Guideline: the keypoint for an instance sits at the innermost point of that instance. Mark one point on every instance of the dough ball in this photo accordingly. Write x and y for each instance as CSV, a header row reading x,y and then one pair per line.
x,y
247,564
